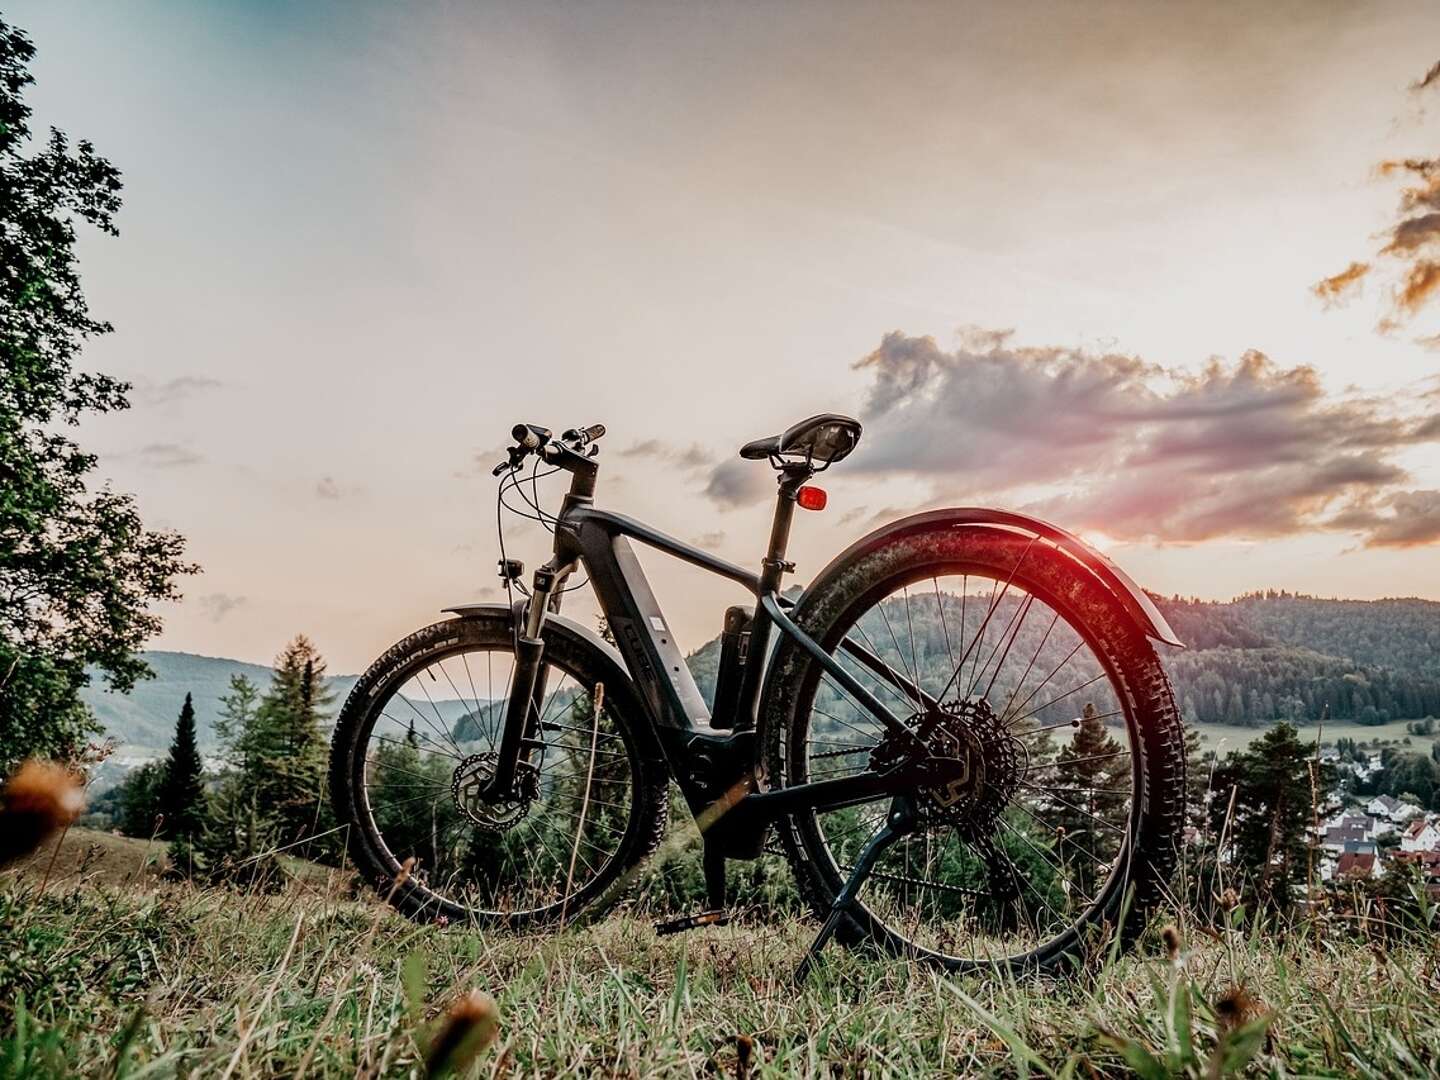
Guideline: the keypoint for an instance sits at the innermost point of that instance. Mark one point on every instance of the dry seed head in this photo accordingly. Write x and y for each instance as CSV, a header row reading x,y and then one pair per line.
x,y
469,1025
1171,937
744,1056
1237,1007
1229,899
405,868
39,800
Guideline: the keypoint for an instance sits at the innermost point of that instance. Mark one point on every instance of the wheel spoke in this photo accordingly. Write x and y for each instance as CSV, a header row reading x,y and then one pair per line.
x,y
519,869
1010,892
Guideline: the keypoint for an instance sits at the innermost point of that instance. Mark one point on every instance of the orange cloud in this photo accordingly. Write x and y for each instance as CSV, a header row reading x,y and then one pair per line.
x,y
1337,288
1410,239
1421,281
1431,76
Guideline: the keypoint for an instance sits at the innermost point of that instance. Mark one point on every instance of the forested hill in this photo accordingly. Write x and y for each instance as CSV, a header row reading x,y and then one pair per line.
x,y
144,720
1400,634
1273,656
1250,661
1270,656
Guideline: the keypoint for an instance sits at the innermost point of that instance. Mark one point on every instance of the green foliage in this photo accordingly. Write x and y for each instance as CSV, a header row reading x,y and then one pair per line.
x,y
1090,792
272,796
137,802
1275,656
1403,773
182,790
1269,787
286,748
78,569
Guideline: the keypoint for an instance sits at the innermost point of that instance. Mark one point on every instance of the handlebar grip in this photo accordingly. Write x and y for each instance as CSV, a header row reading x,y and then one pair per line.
x,y
584,436
529,436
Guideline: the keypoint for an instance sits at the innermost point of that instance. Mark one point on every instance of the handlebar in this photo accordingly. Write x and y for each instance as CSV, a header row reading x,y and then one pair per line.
x,y
533,439
584,436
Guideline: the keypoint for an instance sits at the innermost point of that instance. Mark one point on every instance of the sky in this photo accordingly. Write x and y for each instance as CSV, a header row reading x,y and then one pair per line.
x,y
1056,257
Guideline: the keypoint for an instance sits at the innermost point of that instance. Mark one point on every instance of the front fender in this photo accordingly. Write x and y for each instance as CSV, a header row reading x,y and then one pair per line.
x,y
567,626
618,674
1133,598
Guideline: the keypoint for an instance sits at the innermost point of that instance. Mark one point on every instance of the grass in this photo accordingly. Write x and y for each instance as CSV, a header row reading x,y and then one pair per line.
x,y
1227,737
110,972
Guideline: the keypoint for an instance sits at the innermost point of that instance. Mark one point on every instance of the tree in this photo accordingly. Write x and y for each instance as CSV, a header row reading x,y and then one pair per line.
x,y
1270,784
1090,794
78,569
233,726
182,791
285,748
138,801
272,794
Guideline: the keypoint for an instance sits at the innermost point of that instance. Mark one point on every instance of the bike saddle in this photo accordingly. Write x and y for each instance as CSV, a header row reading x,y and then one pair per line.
x,y
823,439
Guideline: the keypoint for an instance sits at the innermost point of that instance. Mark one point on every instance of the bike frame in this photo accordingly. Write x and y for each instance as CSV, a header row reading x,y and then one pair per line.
x,y
715,767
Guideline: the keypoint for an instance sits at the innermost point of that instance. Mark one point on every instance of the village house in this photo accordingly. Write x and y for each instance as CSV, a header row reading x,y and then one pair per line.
x,y
1348,829
1355,864
1420,835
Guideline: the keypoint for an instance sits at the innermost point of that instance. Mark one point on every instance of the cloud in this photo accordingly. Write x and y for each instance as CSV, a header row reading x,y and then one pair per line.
x,y
1247,449
148,392
1428,79
1421,281
1412,520
1409,243
1340,287
709,540
218,605
1412,234
168,456
737,483
694,456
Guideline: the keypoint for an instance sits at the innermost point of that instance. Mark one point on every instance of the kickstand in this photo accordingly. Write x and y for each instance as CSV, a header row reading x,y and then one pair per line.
x,y
900,822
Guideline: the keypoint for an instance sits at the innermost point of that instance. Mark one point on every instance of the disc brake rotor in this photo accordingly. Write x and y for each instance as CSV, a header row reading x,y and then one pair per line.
x,y
471,780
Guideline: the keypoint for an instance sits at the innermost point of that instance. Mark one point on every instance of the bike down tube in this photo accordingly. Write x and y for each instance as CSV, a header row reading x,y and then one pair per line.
x,y
770,602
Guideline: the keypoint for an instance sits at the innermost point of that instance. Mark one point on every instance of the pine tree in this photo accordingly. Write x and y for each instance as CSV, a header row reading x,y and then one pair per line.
x,y
237,714
285,748
1090,795
182,791
1271,788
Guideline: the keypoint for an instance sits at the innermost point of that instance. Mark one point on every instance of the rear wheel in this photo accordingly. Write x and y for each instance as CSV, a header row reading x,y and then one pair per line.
x,y
1075,798
416,742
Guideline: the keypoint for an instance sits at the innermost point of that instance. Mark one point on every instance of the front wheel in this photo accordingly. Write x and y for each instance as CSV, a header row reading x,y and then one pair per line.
x,y
416,742
1069,817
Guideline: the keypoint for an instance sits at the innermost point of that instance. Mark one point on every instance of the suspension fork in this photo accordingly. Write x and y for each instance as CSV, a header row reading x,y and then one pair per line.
x,y
528,681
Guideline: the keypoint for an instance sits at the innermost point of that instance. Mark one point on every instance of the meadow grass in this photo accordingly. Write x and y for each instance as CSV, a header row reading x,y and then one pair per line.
x,y
1225,738
102,976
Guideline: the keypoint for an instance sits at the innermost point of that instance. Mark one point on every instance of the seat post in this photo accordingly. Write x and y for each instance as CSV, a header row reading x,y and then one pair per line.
x,y
772,574
792,477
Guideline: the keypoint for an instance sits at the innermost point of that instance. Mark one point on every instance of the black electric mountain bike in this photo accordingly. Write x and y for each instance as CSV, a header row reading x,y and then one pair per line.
x,y
960,732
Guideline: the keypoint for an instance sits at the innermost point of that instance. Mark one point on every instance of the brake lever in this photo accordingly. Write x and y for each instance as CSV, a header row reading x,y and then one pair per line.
x,y
517,455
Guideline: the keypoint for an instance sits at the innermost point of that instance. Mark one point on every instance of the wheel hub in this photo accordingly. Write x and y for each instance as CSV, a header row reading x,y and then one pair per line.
x,y
470,785
978,761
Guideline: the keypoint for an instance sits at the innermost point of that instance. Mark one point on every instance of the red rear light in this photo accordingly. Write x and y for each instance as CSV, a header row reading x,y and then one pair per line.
x,y
810,498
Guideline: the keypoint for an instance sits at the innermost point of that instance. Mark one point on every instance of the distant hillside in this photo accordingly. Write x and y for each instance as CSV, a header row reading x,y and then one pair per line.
x,y
1403,635
1248,661
144,720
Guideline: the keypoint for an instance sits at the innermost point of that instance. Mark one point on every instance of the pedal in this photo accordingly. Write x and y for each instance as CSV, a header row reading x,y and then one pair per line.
x,y
691,922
